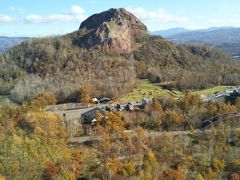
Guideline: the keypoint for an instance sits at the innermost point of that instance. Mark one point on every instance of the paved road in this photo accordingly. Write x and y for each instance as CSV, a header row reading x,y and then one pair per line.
x,y
76,113
79,140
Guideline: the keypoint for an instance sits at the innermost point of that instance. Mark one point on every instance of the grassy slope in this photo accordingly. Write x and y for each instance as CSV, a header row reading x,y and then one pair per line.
x,y
147,89
213,90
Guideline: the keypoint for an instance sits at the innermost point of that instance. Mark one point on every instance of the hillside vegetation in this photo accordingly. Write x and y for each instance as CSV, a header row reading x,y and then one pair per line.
x,y
169,138
62,64
55,64
34,144
194,67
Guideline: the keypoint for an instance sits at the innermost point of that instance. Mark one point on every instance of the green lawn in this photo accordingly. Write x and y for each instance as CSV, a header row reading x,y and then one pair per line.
x,y
213,90
148,89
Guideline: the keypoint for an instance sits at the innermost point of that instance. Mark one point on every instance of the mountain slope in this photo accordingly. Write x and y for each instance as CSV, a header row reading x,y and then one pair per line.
x,y
109,61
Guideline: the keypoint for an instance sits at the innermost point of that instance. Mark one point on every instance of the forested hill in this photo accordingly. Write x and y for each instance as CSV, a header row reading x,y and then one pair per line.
x,y
109,52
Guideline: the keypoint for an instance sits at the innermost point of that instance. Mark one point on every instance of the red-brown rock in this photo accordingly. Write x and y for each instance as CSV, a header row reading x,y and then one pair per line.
x,y
115,30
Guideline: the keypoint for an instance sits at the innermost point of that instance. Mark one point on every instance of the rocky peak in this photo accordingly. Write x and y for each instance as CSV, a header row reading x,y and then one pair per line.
x,y
115,30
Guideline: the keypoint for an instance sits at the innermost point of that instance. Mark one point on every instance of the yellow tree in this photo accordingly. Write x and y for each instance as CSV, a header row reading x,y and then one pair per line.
x,y
85,93
45,124
218,165
44,99
156,106
127,169
173,119
140,134
150,166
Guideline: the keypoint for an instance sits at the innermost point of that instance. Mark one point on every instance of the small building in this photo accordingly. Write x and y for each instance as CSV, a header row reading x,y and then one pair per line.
x,y
205,98
129,107
233,97
229,91
95,101
146,101
104,100
108,108
119,107
88,120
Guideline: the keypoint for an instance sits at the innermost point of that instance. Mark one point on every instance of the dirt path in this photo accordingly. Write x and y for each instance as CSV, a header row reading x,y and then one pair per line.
x,y
83,139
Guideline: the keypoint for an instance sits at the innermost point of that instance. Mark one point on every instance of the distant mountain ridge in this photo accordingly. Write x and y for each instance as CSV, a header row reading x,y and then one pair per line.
x,y
8,42
169,32
211,36
226,38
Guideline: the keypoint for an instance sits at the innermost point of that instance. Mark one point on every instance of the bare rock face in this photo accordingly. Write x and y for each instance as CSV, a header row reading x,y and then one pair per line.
x,y
115,30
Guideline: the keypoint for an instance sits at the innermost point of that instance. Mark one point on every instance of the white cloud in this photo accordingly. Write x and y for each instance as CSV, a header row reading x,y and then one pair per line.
x,y
17,9
76,13
214,21
52,18
224,21
160,15
34,19
6,19
77,10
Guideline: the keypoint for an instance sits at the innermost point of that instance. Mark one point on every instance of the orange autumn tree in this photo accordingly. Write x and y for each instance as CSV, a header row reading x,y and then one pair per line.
x,y
174,174
51,171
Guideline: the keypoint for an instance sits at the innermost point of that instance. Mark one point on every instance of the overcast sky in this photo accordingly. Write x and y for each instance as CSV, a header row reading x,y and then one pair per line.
x,y
54,17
